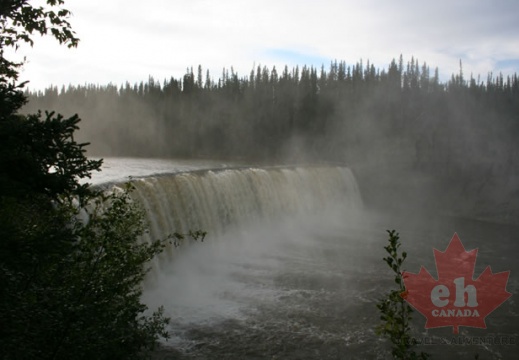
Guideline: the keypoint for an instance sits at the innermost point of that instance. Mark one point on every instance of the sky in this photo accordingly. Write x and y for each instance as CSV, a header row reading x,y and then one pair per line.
x,y
130,40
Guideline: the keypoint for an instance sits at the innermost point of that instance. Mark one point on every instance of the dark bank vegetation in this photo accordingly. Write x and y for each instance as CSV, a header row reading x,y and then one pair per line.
x,y
459,134
71,265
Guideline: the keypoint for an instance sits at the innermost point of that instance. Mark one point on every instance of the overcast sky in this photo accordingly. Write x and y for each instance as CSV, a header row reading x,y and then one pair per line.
x,y
130,40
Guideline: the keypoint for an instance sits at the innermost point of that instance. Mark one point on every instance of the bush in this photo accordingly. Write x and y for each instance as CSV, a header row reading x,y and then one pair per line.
x,y
71,264
395,312
72,289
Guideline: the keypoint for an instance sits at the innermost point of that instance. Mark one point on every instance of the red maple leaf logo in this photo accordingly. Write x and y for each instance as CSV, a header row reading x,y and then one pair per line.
x,y
456,299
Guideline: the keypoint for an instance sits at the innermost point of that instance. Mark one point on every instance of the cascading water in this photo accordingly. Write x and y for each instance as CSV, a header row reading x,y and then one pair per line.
x,y
265,241
286,272
254,217
214,199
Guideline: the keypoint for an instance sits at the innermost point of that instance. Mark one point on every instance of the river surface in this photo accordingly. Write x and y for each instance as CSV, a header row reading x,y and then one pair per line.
x,y
306,287
122,169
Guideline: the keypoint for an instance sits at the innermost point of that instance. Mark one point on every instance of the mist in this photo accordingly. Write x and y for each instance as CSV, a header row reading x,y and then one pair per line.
x,y
225,290
429,159
446,146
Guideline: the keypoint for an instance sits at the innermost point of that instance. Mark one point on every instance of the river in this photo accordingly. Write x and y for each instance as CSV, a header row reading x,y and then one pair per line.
x,y
305,285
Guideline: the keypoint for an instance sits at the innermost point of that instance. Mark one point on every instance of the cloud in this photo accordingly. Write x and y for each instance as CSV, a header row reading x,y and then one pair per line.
x,y
130,40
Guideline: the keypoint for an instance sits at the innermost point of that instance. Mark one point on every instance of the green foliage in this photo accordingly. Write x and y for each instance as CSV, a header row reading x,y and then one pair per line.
x,y
395,312
176,239
20,20
72,280
41,156
71,264
70,287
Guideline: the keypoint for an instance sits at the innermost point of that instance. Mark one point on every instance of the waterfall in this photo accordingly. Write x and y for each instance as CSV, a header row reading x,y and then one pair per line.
x,y
213,200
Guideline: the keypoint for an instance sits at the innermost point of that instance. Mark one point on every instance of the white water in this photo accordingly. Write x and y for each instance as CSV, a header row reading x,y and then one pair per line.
x,y
289,270
116,170
258,220
215,199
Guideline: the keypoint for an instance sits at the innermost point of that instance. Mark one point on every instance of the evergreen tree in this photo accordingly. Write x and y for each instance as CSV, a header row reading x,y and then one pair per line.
x,y
71,265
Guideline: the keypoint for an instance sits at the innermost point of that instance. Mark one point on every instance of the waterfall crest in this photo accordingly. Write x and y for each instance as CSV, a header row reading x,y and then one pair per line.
x,y
213,200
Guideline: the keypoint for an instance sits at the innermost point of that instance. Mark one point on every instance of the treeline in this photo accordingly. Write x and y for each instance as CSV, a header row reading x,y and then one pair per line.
x,y
357,112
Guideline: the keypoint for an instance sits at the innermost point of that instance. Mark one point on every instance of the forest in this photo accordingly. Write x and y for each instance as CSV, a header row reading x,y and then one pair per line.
x,y
71,260
326,113
460,132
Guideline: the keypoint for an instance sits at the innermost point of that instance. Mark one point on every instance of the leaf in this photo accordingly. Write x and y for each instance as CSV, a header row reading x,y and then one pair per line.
x,y
456,299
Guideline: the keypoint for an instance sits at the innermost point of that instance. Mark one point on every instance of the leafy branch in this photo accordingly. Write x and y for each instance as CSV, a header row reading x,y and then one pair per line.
x,y
395,312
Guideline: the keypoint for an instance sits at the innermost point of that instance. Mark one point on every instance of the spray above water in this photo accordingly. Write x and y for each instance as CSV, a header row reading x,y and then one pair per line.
x,y
266,227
